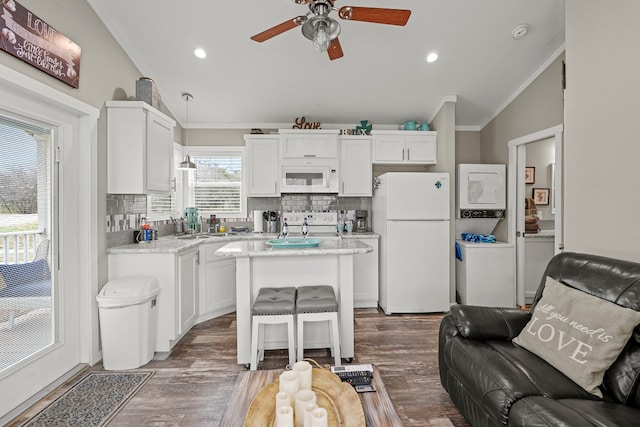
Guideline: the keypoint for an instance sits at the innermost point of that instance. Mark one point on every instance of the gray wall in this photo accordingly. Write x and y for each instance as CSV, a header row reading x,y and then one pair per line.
x,y
601,133
468,147
538,107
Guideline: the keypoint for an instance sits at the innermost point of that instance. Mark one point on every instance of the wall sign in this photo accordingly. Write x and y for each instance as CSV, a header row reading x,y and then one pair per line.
x,y
29,38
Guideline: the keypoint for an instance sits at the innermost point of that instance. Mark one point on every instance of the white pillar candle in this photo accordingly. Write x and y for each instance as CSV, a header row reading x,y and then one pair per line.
x,y
319,417
289,384
282,399
304,370
308,409
302,398
284,416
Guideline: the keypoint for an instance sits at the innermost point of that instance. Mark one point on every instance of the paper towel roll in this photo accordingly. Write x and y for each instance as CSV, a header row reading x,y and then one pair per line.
x,y
257,221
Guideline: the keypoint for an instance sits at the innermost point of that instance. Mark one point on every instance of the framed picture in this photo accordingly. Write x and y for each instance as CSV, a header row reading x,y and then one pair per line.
x,y
540,196
529,175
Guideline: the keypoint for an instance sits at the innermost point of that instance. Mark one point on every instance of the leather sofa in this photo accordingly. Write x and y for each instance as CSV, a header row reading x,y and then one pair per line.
x,y
494,382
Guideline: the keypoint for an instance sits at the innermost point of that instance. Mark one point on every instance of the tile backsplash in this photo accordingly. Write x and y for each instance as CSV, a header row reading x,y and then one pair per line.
x,y
126,212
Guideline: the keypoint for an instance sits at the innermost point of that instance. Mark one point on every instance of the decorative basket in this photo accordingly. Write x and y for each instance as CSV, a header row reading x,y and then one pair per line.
x,y
341,401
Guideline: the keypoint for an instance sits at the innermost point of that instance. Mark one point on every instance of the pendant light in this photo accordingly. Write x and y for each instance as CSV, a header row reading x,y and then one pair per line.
x,y
187,164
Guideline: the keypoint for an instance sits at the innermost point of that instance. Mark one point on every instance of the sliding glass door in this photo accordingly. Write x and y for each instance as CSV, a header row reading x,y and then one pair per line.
x,y
27,309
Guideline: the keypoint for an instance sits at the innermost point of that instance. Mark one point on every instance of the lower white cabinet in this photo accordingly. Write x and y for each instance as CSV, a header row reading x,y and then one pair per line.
x,y
365,276
187,287
177,276
217,283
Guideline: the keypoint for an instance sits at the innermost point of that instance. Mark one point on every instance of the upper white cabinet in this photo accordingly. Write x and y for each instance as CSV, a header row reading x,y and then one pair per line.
x,y
262,165
355,166
309,143
405,147
139,148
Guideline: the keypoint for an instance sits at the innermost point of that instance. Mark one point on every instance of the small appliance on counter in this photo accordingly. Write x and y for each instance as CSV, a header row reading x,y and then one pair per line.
x,y
361,223
192,218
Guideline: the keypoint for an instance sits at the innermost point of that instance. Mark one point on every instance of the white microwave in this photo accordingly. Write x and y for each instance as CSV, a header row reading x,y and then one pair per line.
x,y
310,175
481,191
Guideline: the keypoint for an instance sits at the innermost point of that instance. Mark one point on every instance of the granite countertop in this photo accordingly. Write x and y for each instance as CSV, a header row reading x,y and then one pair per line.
x,y
176,245
260,248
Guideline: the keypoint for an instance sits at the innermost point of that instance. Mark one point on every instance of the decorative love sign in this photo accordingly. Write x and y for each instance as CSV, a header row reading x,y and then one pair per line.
x,y
29,38
301,123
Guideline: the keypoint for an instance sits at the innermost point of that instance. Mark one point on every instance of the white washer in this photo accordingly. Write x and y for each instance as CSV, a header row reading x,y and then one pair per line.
x,y
486,274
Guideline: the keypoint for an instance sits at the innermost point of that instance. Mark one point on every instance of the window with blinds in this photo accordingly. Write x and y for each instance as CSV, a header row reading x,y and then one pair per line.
x,y
163,206
26,280
216,186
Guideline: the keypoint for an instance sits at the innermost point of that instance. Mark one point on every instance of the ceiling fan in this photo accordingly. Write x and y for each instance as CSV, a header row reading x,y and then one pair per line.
x,y
323,30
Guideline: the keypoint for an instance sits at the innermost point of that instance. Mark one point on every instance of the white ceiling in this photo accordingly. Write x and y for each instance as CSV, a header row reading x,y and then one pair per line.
x,y
383,76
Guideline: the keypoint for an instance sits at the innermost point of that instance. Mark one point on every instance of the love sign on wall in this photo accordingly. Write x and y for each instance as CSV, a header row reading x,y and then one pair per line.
x,y
29,38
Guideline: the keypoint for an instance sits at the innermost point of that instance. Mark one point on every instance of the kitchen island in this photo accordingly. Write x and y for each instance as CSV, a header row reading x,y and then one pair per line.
x,y
259,265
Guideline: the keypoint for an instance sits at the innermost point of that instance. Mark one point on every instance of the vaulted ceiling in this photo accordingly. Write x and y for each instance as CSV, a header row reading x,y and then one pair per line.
x,y
383,76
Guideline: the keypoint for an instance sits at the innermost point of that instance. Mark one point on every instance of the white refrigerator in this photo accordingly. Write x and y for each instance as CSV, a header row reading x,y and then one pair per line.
x,y
410,212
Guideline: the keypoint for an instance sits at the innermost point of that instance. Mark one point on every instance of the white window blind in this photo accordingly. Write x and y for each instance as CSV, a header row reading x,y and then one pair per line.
x,y
163,206
216,186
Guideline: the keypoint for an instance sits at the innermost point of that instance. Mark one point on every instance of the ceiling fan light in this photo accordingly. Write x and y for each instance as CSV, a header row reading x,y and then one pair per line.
x,y
321,37
321,30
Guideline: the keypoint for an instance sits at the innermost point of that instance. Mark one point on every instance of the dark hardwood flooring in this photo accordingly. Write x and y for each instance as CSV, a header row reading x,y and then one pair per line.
x,y
192,386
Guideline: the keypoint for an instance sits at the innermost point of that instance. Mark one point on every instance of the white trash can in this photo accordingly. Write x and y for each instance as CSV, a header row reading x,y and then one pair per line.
x,y
128,321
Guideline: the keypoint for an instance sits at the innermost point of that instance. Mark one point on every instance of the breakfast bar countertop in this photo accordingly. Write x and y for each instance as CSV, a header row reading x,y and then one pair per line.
x,y
260,248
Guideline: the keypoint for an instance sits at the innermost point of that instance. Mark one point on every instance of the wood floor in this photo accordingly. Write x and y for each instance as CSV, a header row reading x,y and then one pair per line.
x,y
192,386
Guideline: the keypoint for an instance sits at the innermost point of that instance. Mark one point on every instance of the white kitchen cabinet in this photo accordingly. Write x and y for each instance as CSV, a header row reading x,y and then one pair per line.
x,y
405,147
217,283
355,166
188,272
262,165
177,276
139,148
308,143
365,276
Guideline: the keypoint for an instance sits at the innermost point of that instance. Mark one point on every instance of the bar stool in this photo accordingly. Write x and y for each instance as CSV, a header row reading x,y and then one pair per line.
x,y
317,304
272,306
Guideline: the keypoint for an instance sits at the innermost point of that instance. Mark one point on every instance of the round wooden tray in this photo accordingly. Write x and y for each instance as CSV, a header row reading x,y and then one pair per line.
x,y
341,401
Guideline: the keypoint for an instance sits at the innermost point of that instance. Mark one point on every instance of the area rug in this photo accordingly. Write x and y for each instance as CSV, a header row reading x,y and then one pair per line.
x,y
92,401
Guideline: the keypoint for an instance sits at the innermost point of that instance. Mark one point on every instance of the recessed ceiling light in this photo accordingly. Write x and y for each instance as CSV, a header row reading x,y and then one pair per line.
x,y
200,53
432,57
520,31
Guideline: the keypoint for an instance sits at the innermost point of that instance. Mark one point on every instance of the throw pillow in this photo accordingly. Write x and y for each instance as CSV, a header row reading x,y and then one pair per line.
x,y
579,334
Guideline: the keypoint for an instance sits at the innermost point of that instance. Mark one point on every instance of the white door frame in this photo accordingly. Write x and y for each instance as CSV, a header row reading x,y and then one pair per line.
x,y
516,193
75,129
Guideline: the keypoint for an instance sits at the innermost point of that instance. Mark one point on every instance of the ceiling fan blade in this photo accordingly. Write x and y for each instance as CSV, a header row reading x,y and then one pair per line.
x,y
375,15
278,29
335,50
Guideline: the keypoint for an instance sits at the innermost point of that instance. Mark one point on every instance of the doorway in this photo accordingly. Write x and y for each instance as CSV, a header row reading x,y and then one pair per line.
x,y
549,196
64,146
